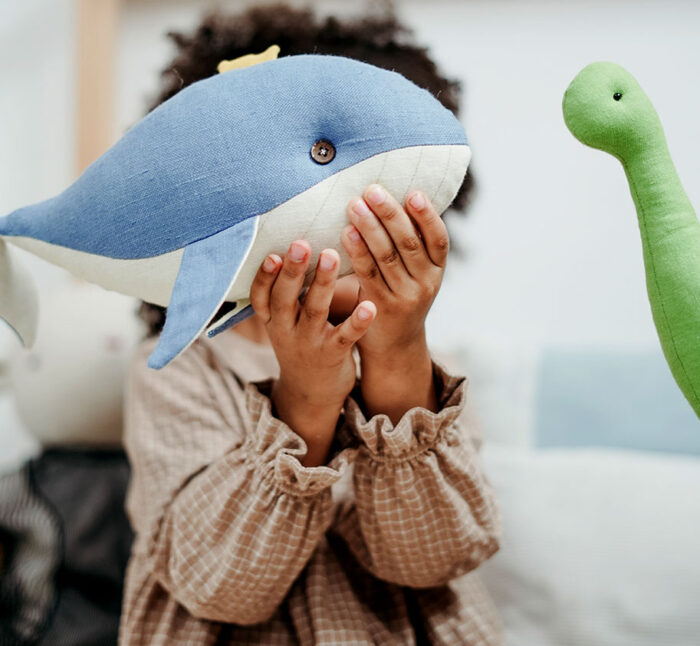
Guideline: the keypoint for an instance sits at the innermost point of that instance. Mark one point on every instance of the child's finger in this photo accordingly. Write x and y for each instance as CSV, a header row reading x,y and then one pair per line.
x,y
432,228
353,328
379,243
363,264
262,284
400,228
284,297
314,311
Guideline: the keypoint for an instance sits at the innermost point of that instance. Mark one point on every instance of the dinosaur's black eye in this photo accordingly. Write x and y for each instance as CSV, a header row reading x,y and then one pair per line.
x,y
617,96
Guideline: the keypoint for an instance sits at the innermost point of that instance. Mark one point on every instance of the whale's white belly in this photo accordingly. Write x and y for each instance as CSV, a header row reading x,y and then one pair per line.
x,y
317,215
150,279
433,169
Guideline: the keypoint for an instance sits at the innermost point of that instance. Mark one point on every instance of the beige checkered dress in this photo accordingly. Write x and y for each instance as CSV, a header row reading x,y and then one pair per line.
x,y
238,543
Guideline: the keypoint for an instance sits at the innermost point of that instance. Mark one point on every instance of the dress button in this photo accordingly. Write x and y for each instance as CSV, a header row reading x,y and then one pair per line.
x,y
322,151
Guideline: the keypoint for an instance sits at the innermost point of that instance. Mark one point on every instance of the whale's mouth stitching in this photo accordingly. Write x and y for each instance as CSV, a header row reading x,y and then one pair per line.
x,y
381,170
320,208
415,172
318,213
444,175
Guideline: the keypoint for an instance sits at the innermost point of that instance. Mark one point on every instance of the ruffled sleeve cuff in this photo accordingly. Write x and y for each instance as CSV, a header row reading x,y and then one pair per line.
x,y
418,429
277,449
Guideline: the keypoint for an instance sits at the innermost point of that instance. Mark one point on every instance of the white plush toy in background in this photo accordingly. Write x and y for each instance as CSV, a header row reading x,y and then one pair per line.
x,y
68,388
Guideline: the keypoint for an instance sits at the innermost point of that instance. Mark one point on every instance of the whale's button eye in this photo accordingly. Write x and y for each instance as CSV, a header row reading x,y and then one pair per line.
x,y
617,96
322,151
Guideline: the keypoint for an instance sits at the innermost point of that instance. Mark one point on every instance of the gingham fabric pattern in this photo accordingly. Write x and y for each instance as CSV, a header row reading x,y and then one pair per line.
x,y
238,543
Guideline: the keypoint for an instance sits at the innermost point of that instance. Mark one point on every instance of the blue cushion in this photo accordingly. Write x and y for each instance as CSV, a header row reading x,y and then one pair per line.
x,y
615,399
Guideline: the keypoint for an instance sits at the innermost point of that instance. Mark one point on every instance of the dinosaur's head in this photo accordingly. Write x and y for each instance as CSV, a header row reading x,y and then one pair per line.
x,y
605,108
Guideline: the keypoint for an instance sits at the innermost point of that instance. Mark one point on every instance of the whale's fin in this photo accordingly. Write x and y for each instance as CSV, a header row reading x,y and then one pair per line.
x,y
207,271
19,301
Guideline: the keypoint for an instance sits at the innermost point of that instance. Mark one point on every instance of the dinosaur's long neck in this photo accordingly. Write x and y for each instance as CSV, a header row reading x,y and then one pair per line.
x,y
662,205
671,241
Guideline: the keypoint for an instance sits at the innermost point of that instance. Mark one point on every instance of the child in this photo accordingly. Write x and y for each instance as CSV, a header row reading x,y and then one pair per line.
x,y
306,477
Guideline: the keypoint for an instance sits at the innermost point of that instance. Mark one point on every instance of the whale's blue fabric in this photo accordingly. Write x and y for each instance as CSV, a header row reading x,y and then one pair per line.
x,y
245,313
231,147
206,271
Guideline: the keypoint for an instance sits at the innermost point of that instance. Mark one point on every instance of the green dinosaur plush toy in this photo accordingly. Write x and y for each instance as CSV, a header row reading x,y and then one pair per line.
x,y
605,108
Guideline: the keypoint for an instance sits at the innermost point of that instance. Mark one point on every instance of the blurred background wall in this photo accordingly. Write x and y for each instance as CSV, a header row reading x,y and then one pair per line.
x,y
552,251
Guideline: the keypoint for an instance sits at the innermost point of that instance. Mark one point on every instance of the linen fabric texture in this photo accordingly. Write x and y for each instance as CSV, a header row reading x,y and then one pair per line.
x,y
231,147
239,543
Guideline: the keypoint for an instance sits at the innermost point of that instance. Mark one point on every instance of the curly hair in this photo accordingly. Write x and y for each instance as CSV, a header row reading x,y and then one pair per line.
x,y
378,39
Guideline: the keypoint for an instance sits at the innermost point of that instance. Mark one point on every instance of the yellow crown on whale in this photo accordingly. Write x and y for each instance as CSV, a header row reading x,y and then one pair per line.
x,y
247,60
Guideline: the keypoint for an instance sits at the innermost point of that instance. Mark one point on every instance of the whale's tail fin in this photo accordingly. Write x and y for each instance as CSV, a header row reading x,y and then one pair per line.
x,y
19,301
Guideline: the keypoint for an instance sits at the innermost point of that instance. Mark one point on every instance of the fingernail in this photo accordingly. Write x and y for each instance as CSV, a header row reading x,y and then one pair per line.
x,y
327,261
354,235
417,201
296,252
269,264
360,207
376,195
363,313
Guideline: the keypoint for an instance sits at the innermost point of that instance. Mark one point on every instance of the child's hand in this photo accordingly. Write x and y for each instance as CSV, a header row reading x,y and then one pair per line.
x,y
317,370
399,266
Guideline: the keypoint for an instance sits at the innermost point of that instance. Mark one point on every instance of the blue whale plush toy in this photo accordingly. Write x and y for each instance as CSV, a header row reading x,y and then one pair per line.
x,y
182,210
